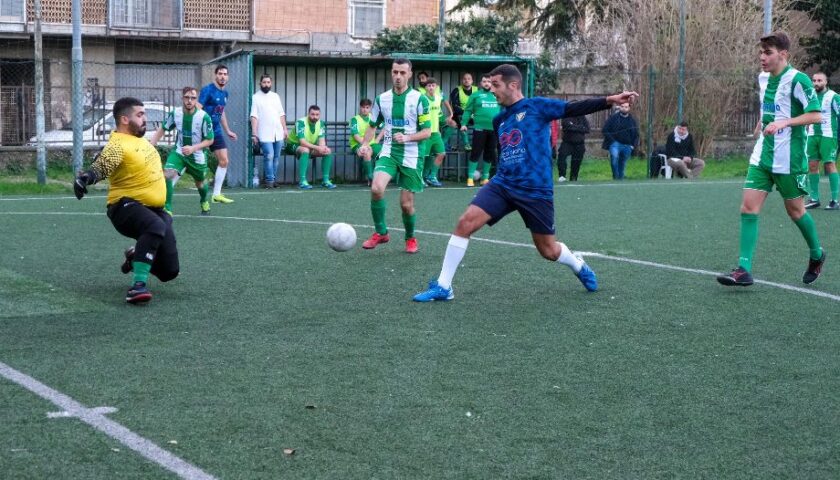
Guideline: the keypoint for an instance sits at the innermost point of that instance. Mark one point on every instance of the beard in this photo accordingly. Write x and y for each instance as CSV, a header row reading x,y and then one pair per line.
x,y
265,89
137,130
819,89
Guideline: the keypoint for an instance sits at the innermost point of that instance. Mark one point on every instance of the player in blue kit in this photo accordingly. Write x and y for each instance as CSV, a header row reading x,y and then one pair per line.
x,y
524,180
213,99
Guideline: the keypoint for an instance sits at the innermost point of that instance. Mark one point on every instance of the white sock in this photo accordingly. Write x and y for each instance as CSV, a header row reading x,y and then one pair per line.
x,y
219,179
175,179
568,259
455,250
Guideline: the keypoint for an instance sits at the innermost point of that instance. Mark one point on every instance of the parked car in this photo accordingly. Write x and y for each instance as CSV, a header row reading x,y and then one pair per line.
x,y
99,123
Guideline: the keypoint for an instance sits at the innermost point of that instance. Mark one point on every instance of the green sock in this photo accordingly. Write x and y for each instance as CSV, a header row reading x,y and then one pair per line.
x,y
485,171
367,166
409,221
749,237
141,271
434,171
428,163
814,182
377,209
202,191
834,184
169,190
326,168
809,232
471,166
304,166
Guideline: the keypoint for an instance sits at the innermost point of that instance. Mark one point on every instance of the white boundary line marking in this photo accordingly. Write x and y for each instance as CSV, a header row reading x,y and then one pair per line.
x,y
361,188
95,418
782,286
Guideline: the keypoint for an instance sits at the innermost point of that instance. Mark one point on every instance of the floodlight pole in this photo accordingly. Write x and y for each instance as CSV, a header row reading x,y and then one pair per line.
x,y
77,100
441,25
681,63
768,16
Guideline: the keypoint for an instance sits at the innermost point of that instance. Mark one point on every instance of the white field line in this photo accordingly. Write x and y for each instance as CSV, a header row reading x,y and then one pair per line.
x,y
96,419
782,286
361,188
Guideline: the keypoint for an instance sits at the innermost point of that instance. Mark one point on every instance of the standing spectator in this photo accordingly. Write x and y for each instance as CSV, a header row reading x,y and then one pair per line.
x,y
268,128
574,130
621,135
458,99
213,99
680,152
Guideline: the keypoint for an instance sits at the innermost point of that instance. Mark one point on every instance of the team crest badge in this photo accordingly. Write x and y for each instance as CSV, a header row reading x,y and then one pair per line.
x,y
520,116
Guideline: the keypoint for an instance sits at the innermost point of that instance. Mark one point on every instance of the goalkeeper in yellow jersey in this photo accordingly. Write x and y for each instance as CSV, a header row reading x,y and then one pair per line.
x,y
136,197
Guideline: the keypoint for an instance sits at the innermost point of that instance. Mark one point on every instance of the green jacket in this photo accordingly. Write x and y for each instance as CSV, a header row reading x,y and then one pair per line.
x,y
481,107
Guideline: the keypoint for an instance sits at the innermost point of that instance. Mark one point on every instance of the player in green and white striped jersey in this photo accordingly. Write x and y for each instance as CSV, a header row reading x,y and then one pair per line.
x,y
822,144
194,133
404,113
788,103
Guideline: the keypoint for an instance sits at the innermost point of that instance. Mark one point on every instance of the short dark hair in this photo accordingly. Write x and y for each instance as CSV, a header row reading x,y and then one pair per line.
x,y
365,102
264,76
124,107
313,107
402,61
465,74
778,40
187,90
431,80
508,72
819,72
423,72
220,66
485,75
684,124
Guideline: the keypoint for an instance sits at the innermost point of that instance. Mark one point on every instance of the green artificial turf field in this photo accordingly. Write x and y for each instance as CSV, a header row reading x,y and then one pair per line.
x,y
268,341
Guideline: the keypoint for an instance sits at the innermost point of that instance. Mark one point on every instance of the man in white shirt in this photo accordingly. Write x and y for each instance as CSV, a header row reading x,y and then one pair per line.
x,y
268,128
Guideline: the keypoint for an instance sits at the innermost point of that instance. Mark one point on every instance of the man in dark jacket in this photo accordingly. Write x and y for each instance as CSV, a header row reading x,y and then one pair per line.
x,y
680,152
621,135
574,131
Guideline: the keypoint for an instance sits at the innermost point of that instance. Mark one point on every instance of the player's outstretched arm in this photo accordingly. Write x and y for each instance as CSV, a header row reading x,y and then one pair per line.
x,y
804,119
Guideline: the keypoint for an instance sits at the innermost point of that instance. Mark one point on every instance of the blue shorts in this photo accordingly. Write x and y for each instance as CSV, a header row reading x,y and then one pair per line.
x,y
218,141
497,201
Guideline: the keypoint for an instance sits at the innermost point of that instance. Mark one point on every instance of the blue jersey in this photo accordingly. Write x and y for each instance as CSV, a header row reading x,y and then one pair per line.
x,y
213,101
524,131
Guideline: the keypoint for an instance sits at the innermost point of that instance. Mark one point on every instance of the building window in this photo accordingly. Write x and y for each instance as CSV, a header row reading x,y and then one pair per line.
x,y
152,14
367,17
11,10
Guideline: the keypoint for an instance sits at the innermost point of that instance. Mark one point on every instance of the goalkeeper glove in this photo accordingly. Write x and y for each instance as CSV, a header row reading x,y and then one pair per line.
x,y
82,181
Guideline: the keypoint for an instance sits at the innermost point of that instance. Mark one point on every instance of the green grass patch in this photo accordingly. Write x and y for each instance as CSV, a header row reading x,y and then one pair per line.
x,y
269,340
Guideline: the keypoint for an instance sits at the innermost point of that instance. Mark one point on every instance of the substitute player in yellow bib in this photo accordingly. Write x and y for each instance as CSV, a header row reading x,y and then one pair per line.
x,y
136,196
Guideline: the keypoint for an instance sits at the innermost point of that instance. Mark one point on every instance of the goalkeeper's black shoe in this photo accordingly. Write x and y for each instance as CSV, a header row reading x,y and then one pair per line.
x,y
814,269
138,294
129,257
738,277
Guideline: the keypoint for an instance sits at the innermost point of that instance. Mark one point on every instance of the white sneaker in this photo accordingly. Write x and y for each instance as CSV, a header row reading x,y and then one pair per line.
x,y
561,179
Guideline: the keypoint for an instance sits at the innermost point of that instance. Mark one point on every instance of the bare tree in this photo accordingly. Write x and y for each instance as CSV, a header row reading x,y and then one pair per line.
x,y
721,56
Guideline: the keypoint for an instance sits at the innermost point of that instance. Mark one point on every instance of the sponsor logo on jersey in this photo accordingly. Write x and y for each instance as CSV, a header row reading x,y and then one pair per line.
x,y
399,122
770,107
520,116
510,139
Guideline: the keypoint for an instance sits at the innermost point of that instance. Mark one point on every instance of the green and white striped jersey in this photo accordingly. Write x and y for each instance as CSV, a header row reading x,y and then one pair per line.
x,y
192,129
785,96
405,113
830,109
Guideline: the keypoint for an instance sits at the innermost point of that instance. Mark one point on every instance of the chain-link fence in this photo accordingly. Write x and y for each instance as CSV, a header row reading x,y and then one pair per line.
x,y
158,86
718,106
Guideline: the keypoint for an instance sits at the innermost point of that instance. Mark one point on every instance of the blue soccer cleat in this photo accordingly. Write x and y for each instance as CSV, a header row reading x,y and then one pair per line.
x,y
587,278
434,293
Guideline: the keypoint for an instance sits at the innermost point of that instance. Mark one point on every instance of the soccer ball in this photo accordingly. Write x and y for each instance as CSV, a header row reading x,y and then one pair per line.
x,y
477,175
341,237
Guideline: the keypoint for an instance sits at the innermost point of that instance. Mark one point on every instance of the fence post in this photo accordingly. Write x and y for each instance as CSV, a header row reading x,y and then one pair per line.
x,y
650,112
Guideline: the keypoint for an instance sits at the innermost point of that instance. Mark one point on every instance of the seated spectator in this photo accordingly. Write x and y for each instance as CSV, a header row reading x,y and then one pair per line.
x,y
681,153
